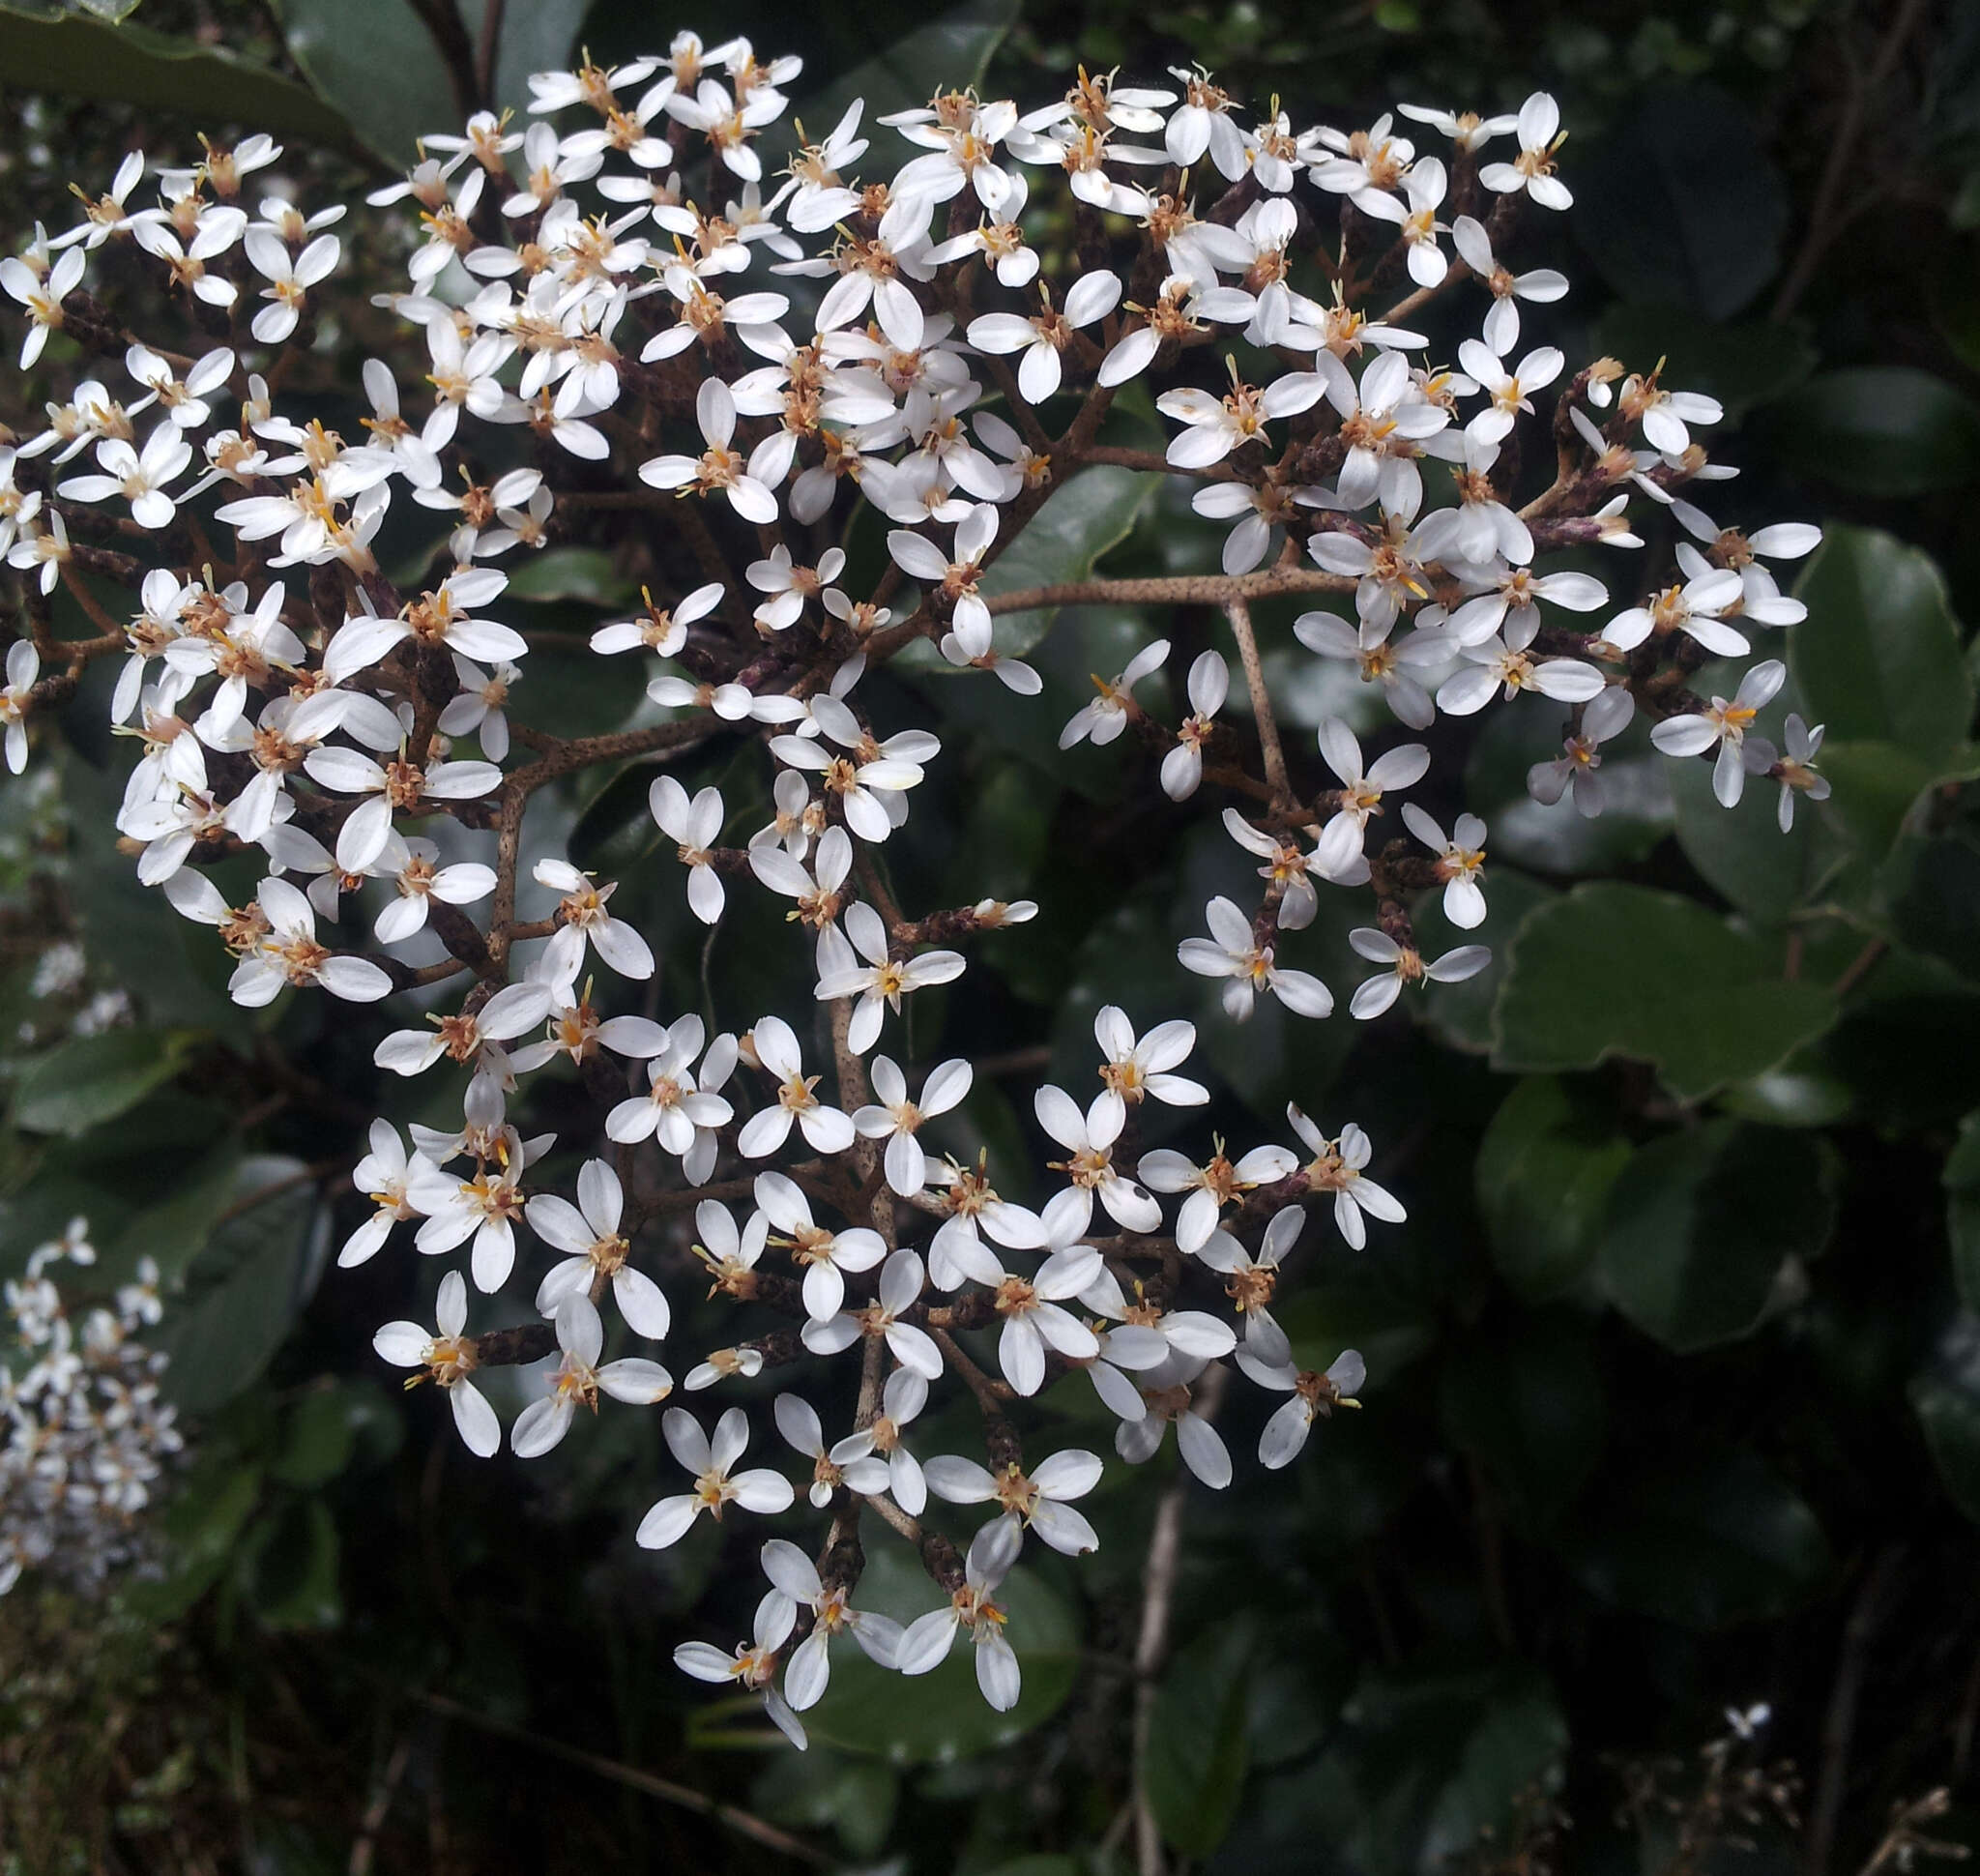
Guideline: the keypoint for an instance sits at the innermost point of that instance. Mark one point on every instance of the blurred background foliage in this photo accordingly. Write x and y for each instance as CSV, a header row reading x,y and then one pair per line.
x,y
1674,1372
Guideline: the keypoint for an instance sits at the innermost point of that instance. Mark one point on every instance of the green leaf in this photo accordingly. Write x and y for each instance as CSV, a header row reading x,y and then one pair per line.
x,y
1460,1014
245,1290
1882,429
1701,1222
174,1231
82,1083
319,1434
1612,970
1961,1181
1544,1170
1531,1407
582,573
1682,203
378,64
1742,366
1198,1748
1704,1538
939,1717
1558,839
291,1558
89,58
1878,657
949,53
821,1789
201,1522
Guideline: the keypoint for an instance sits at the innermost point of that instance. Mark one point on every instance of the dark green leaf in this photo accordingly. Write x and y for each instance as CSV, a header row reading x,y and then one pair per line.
x,y
1878,657
1682,203
90,58
584,573
318,1435
1197,1745
1460,1014
949,53
1701,1222
245,1290
1700,1000
1704,1537
201,1523
1544,1170
174,1231
93,1078
291,1558
1882,429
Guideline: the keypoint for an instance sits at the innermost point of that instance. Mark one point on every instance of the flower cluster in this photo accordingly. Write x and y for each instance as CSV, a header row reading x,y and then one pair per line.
x,y
87,1435
631,329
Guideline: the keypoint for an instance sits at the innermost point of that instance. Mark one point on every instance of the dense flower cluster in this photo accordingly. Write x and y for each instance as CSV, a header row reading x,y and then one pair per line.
x,y
87,1435
622,315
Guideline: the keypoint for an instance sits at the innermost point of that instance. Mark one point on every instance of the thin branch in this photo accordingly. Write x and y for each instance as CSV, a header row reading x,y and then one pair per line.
x,y
1239,616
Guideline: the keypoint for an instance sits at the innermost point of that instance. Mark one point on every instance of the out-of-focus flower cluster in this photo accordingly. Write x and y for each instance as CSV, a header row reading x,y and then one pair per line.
x,y
628,329
87,1436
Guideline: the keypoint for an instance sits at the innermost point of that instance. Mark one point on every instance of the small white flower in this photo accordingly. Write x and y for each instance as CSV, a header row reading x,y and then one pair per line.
x,y
1232,953
1532,170
1406,965
716,1482
588,1235
898,1121
1460,863
448,1358
1725,725
1106,716
578,1380
925,1644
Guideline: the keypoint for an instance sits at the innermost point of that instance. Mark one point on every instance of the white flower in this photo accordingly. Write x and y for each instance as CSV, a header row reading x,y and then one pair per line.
x,y
882,980
384,1175
1406,965
481,708
1532,170
677,1110
588,1235
1313,1396
139,478
927,1640
849,1465
1796,768
1043,337
1541,284
1726,725
1214,426
1604,719
582,916
1379,661
1034,1316
448,1358
403,788
1250,1281
663,630
1361,790
578,1380
716,1482
827,1130
1106,716
1510,392
288,281
1040,1502
1337,1167
824,1256
1211,1185
23,668
1209,684
1693,608
695,827
41,295
288,953
1166,1397
483,1208
898,1121
1134,1069
718,466
1460,863
796,1576
754,1662
1231,952
1089,1139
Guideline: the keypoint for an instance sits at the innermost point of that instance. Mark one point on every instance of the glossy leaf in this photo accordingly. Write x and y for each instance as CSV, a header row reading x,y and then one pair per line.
x,y
1700,1224
1198,1748
583,573
1700,1000
1545,1167
79,56
1878,657
1682,202
82,1083
1883,429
